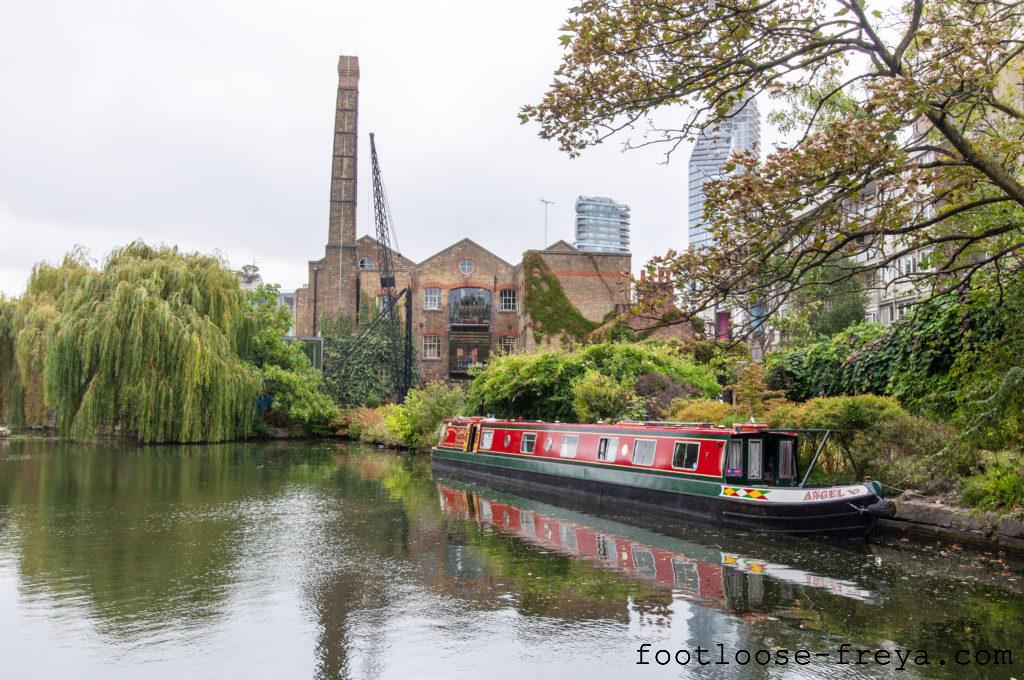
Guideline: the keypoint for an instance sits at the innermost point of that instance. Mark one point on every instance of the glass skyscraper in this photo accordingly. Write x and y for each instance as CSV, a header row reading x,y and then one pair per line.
x,y
602,225
741,132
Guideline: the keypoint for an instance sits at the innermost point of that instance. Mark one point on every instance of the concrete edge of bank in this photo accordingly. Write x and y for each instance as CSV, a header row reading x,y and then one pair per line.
x,y
919,517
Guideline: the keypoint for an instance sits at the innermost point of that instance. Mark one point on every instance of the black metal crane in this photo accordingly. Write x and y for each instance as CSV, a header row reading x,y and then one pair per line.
x,y
400,366
399,362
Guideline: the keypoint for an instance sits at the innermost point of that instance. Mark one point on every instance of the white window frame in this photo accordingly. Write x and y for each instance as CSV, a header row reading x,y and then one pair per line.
x,y
528,437
567,447
472,266
486,439
685,442
548,443
735,446
426,354
654,451
760,459
507,343
503,300
367,258
611,449
787,460
428,299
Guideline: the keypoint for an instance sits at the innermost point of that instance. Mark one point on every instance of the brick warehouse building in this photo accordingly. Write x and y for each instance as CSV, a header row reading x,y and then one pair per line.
x,y
467,301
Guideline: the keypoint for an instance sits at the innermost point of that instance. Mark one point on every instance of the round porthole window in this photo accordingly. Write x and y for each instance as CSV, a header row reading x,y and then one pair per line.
x,y
547,444
508,440
466,267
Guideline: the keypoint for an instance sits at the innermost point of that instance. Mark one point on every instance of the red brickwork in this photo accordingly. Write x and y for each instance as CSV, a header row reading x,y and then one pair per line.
x,y
594,283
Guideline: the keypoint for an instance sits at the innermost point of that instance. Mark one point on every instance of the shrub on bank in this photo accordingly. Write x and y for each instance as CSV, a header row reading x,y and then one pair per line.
x,y
999,485
415,423
597,397
705,411
370,424
543,386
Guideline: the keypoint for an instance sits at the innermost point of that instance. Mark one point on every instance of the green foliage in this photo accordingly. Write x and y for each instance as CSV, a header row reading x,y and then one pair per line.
x,y
999,485
370,424
822,369
352,363
875,437
750,392
157,344
153,346
705,411
828,301
544,299
598,397
956,358
416,422
541,386
295,385
535,386
658,392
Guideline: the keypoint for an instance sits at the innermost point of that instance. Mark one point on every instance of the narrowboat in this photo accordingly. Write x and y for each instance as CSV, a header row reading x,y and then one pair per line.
x,y
747,476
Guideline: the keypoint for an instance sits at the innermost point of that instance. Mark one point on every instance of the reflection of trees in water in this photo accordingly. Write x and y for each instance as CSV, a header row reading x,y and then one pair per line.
x,y
145,538
152,538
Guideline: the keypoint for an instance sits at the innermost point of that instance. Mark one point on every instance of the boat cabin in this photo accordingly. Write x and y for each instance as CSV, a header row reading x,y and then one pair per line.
x,y
745,455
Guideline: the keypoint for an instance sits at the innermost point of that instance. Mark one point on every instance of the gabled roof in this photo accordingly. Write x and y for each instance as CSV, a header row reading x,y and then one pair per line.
x,y
400,260
563,246
464,241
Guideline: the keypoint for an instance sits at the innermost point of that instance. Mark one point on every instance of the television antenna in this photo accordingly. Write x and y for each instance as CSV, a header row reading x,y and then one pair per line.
x,y
546,203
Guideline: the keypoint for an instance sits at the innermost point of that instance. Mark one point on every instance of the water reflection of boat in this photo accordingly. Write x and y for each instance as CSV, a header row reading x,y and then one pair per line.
x,y
701,571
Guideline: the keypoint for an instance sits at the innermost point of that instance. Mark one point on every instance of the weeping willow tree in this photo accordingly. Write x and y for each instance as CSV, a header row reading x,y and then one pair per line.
x,y
155,345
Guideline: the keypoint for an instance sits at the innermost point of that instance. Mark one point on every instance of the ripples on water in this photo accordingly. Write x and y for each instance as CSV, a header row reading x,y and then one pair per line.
x,y
339,561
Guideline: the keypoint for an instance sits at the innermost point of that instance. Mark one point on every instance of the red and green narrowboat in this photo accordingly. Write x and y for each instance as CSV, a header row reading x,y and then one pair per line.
x,y
747,477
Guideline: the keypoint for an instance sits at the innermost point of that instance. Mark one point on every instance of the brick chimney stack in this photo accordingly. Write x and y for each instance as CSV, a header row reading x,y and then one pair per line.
x,y
342,222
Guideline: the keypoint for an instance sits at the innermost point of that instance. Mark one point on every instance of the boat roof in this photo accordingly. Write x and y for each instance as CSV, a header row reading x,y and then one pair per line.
x,y
636,426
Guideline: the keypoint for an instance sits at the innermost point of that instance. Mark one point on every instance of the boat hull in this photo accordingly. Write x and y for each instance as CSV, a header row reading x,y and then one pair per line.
x,y
847,518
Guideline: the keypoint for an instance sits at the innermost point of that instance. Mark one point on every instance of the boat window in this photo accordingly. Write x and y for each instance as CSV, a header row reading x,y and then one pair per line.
x,y
734,466
605,548
487,439
569,444
685,574
643,562
685,455
529,441
787,470
547,444
606,448
754,459
643,451
508,440
567,534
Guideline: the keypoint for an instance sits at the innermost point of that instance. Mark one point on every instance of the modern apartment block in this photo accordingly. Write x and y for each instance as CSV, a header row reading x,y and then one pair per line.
x,y
740,132
602,225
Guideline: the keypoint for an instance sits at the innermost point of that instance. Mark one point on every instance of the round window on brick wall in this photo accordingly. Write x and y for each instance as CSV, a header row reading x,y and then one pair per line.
x,y
466,267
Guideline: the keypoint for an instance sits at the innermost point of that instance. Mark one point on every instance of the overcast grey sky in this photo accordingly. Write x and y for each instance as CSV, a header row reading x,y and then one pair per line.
x,y
208,124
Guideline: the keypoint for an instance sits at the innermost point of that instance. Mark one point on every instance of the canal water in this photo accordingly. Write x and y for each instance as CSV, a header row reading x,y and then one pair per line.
x,y
326,560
